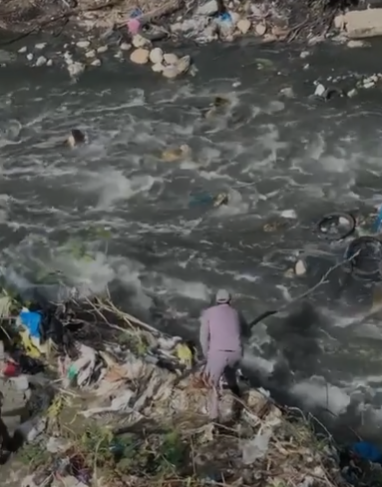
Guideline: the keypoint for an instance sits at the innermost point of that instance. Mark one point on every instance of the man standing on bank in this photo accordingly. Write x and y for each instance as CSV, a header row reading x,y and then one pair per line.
x,y
221,332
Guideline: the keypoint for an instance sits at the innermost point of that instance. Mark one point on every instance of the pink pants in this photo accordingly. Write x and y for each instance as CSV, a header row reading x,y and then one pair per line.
x,y
219,363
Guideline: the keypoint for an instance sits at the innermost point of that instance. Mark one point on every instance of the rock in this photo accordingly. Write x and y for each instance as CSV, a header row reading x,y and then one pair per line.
x,y
260,29
304,54
209,8
363,23
300,268
75,69
41,61
96,62
183,64
320,90
83,44
90,54
140,56
102,49
244,26
339,21
170,72
170,58
30,56
356,43
178,26
49,62
125,46
287,92
22,50
40,46
368,84
352,93
156,55
157,68
140,41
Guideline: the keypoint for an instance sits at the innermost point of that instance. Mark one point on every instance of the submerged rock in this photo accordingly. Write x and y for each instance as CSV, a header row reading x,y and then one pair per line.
x,y
41,61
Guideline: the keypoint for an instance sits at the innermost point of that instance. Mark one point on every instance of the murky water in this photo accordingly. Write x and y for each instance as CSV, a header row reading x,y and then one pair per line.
x,y
114,213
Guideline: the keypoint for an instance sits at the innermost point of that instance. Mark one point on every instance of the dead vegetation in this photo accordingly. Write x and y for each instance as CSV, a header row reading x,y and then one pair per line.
x,y
161,435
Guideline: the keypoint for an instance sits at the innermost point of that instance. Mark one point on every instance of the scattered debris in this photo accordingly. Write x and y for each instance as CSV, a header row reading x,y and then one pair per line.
x,y
176,154
152,388
76,137
327,93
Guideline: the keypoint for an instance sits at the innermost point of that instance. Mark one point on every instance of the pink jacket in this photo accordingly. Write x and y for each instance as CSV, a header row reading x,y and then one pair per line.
x,y
221,329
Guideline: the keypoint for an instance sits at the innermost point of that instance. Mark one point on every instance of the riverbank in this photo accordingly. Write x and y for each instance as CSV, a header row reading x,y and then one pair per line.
x,y
82,35
210,20
131,410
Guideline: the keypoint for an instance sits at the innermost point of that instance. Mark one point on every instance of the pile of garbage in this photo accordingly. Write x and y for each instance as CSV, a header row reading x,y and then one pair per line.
x,y
128,407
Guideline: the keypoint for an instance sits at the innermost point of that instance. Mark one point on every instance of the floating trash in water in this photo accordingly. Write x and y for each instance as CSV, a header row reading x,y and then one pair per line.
x,y
203,198
176,153
336,226
378,221
10,131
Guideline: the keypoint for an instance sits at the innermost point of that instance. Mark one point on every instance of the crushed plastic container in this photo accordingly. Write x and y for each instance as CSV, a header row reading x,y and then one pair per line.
x,y
32,321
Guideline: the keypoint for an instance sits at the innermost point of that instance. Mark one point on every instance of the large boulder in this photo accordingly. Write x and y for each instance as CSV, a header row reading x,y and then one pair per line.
x,y
363,23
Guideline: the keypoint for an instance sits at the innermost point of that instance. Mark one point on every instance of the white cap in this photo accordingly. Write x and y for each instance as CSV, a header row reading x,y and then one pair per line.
x,y
223,296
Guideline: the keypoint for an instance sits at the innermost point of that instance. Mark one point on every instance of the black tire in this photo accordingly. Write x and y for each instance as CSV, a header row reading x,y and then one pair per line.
x,y
336,216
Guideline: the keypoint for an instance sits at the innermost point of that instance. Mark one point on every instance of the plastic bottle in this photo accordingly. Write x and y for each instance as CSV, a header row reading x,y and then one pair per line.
x,y
378,221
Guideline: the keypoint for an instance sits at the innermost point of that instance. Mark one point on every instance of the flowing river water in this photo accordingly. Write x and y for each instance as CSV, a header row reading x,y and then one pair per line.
x,y
285,161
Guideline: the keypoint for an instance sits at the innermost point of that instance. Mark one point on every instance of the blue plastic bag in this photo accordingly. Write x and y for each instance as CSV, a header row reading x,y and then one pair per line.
x,y
367,451
378,221
32,321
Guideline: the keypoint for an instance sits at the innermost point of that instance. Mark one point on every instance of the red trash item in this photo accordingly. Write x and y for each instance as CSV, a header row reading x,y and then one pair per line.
x,y
11,370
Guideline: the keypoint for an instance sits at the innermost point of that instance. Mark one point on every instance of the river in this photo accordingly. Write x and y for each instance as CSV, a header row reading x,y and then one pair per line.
x,y
283,160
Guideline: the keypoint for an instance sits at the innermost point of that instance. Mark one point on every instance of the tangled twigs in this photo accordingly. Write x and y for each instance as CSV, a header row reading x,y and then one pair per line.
x,y
65,16
294,32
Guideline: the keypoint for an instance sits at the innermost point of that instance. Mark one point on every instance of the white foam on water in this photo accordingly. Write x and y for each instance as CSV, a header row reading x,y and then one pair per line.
x,y
192,290
317,392
113,186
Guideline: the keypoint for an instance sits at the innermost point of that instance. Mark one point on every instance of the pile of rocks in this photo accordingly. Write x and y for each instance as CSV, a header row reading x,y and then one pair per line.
x,y
169,64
